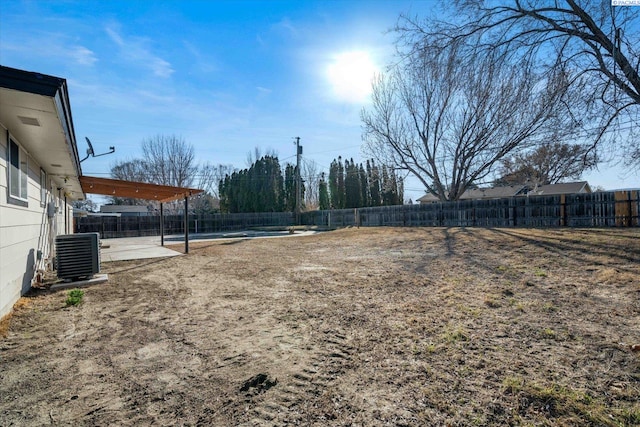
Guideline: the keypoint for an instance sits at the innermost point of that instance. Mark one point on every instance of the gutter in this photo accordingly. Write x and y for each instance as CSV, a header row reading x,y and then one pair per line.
x,y
64,112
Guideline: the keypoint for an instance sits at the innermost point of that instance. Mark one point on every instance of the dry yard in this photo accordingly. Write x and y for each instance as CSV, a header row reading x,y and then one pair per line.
x,y
367,327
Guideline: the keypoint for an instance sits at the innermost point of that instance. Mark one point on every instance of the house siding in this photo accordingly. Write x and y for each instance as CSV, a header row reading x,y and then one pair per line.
x,y
25,230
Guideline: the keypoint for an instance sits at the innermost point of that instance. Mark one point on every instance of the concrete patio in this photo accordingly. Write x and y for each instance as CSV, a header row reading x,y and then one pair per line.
x,y
128,248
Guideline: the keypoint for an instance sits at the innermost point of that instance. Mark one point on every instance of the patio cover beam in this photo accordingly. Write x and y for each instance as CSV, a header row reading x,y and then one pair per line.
x,y
146,191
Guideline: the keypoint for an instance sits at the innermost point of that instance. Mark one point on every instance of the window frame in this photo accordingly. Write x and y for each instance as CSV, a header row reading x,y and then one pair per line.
x,y
22,198
43,187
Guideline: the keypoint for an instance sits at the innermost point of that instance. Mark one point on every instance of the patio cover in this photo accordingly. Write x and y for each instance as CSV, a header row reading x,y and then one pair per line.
x,y
143,190
135,190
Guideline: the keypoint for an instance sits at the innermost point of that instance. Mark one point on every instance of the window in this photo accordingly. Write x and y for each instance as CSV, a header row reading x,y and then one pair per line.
x,y
43,187
18,173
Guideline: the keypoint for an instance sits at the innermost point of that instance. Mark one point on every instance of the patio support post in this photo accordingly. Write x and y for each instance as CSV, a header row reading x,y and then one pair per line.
x,y
186,224
161,224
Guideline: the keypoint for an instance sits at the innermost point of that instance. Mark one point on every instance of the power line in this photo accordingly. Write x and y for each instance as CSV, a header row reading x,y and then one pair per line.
x,y
337,149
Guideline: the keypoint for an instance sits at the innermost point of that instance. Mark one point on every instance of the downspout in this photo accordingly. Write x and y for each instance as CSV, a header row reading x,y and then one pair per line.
x,y
53,226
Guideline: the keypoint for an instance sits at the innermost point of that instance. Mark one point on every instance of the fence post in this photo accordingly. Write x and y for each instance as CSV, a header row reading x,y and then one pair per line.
x,y
630,222
186,224
634,212
512,212
161,224
473,213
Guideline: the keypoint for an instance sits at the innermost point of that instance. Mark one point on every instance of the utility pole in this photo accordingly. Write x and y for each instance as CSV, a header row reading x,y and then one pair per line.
x,y
298,183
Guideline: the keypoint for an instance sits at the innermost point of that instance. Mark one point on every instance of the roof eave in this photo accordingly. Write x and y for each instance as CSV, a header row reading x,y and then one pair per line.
x,y
64,112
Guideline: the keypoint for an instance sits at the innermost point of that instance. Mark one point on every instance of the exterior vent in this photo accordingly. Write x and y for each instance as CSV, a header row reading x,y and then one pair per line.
x,y
77,255
30,121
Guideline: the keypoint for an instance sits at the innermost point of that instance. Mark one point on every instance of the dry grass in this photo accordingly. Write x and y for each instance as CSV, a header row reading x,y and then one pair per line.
x,y
373,327
19,307
4,325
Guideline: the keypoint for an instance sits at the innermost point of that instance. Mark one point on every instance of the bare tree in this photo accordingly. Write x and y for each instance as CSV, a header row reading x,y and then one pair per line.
x,y
87,205
210,175
549,163
594,42
169,160
208,179
130,170
256,154
448,123
311,177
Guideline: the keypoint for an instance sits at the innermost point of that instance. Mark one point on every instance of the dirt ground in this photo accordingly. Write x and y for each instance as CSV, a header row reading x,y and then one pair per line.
x,y
356,327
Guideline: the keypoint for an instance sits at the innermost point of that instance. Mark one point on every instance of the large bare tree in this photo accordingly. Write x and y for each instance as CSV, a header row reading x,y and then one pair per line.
x,y
170,161
448,123
130,170
549,163
597,44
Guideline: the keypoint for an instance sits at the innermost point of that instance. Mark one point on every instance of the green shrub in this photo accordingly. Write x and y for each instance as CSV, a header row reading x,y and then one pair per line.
x,y
74,297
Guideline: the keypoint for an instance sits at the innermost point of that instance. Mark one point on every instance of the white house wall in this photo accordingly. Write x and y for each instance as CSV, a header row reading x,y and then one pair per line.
x,y
24,231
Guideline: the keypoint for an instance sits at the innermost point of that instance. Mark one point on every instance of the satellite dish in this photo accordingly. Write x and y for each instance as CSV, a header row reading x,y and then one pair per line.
x,y
91,153
90,149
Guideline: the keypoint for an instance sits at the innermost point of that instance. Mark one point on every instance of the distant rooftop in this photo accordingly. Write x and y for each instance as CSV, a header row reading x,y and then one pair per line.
x,y
505,191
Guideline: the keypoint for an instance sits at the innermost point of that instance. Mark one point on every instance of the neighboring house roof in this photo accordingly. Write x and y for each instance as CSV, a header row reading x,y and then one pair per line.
x,y
516,190
82,213
428,198
492,192
36,109
562,188
480,193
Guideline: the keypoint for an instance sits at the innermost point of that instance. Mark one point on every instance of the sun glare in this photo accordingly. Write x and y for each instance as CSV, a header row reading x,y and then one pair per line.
x,y
350,75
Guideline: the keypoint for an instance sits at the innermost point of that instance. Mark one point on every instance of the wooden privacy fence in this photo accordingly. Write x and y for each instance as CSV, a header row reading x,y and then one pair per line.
x,y
601,209
135,226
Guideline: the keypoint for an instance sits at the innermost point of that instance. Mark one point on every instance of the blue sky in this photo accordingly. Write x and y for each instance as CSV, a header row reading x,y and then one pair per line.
x,y
227,76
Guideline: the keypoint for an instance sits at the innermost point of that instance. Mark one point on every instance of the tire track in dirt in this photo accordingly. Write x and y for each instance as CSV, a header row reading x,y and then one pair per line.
x,y
296,398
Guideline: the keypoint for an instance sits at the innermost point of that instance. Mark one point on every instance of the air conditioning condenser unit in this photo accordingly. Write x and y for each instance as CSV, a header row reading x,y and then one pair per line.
x,y
77,255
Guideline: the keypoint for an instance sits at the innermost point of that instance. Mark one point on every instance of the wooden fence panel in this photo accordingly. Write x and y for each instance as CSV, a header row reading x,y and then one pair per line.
x,y
538,211
627,206
590,209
